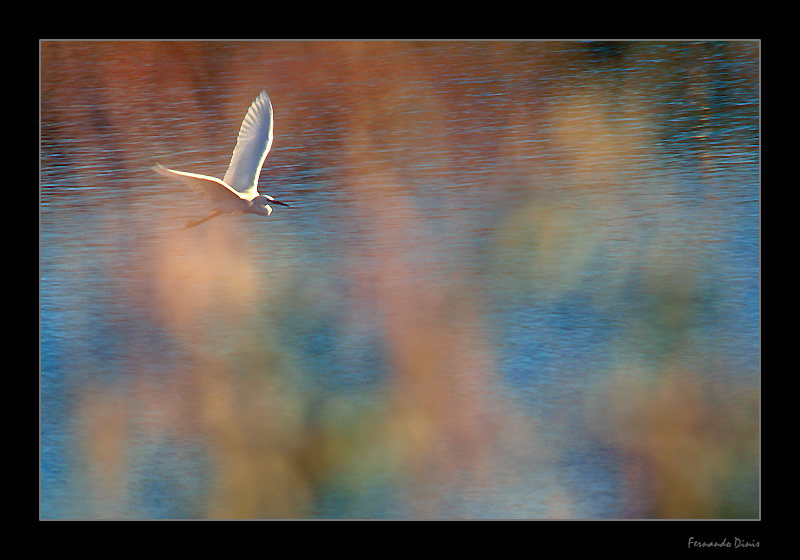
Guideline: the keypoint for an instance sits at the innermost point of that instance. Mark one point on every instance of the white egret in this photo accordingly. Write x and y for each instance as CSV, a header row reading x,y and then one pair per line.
x,y
237,192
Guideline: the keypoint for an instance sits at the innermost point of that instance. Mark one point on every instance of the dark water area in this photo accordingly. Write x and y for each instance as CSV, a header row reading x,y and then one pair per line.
x,y
519,280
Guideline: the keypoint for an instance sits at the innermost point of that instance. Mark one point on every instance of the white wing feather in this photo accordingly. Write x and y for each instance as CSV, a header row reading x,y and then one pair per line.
x,y
252,147
210,187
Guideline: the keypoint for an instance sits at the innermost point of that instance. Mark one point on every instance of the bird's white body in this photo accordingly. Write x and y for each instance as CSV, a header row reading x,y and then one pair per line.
x,y
237,192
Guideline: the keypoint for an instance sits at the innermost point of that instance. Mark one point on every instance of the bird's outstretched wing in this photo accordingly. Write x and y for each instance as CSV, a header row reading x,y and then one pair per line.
x,y
210,187
252,146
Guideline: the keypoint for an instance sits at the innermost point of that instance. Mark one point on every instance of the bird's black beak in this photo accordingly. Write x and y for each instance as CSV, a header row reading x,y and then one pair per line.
x,y
273,201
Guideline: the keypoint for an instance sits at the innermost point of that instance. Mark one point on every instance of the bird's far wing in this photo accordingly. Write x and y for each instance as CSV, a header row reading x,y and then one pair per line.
x,y
210,187
252,146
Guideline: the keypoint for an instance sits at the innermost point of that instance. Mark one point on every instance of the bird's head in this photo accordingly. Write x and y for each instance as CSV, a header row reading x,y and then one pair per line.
x,y
261,204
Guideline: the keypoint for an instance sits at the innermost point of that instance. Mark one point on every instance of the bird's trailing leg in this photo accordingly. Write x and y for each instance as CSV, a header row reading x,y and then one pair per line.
x,y
212,214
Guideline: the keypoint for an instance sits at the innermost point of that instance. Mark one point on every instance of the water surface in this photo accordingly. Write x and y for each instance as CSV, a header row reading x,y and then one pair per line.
x,y
519,280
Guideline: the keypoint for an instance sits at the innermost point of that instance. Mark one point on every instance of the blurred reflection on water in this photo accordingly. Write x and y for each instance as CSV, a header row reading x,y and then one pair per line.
x,y
521,280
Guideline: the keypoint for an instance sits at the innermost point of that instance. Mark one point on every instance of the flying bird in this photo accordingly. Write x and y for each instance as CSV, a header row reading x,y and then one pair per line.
x,y
237,192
